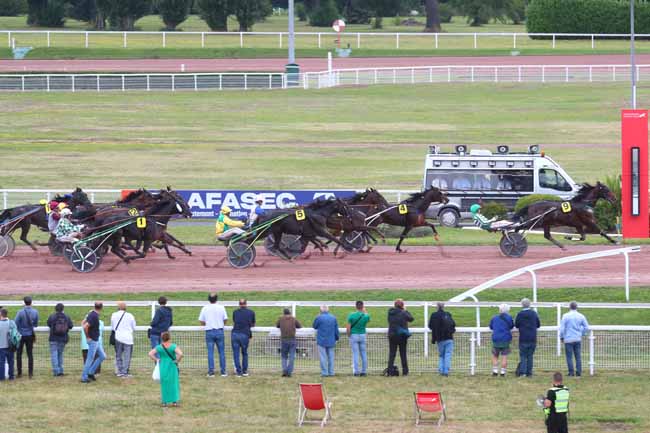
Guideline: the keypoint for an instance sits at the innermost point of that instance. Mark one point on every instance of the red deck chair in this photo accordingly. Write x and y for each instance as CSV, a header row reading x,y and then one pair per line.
x,y
429,402
312,397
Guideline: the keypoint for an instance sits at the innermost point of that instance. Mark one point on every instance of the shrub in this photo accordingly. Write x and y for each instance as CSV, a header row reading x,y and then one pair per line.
x,y
173,12
324,15
493,209
446,12
300,11
12,8
215,13
534,198
606,213
516,11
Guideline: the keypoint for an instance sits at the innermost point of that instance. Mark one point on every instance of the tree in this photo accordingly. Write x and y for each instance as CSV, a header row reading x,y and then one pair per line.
x,y
12,8
248,12
215,13
324,15
103,9
46,13
383,8
124,13
173,12
355,11
433,16
479,12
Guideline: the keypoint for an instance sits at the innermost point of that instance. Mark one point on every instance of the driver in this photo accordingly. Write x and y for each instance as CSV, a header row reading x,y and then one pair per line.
x,y
226,227
66,231
257,211
484,223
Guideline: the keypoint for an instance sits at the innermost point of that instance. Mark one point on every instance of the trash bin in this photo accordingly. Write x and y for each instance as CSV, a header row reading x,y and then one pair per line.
x,y
292,71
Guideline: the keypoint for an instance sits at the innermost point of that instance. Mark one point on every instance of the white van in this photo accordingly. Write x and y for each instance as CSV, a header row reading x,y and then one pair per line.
x,y
470,176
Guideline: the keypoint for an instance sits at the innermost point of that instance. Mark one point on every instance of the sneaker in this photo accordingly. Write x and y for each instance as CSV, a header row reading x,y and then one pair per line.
x,y
92,377
495,373
356,375
224,374
284,374
245,374
119,375
238,375
84,381
363,375
127,376
210,375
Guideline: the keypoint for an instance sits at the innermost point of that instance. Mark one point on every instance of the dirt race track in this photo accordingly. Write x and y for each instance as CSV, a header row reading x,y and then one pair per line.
x,y
420,268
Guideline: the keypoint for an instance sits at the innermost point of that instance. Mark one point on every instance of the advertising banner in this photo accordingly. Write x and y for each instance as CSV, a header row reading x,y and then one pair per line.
x,y
634,179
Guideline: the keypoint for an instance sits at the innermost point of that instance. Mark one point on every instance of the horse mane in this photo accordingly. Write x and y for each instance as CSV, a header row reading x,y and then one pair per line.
x,y
320,203
585,189
415,196
357,197
132,196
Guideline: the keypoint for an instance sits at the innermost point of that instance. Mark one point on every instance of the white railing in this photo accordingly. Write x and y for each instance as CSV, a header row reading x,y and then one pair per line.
x,y
141,39
142,82
473,74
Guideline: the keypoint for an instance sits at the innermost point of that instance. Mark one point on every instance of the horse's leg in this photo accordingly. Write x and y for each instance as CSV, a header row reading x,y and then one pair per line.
x,y
175,243
24,230
169,255
407,229
547,235
436,236
277,244
592,226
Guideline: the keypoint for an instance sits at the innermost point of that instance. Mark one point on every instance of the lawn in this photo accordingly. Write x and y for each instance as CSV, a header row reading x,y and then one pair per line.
x,y
335,138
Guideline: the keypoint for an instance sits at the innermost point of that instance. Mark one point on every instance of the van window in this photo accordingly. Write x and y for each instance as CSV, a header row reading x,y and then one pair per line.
x,y
549,178
481,180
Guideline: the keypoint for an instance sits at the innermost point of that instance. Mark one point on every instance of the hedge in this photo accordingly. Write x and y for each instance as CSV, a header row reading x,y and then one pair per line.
x,y
586,16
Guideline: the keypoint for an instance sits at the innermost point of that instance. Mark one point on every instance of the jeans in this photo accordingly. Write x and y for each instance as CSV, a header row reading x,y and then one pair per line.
x,y
526,352
571,349
155,340
445,350
6,356
56,356
326,355
122,358
212,337
26,341
239,343
288,354
94,359
358,343
395,342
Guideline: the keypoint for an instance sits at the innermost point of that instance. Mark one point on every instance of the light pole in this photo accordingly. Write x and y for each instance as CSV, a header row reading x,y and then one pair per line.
x,y
632,59
292,46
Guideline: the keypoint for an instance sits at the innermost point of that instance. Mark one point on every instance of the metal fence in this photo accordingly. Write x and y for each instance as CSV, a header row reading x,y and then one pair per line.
x,y
383,40
142,82
474,74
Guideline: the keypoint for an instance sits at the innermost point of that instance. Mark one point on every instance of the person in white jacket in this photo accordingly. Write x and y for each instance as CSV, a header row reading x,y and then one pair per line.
x,y
123,325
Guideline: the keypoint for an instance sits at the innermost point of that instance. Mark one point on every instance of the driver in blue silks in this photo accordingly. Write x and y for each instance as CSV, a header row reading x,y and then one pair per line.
x,y
257,211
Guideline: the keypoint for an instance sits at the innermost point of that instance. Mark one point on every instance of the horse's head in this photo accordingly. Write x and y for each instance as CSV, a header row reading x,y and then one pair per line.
x,y
602,191
435,195
79,198
173,197
375,198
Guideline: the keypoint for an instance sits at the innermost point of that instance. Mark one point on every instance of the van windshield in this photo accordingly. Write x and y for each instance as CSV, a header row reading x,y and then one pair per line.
x,y
549,178
481,180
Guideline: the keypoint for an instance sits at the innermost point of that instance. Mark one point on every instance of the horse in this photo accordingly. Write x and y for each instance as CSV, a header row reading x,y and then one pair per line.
x,y
410,213
577,213
362,205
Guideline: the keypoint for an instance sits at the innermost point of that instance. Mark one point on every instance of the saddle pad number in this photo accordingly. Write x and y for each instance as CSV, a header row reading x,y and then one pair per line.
x,y
300,215
141,222
133,212
403,209
566,207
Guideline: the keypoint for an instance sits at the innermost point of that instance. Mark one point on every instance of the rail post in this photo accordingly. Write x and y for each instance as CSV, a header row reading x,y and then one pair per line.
x,y
449,74
319,40
543,74
153,309
478,323
426,330
148,83
394,76
397,40
9,39
98,82
627,277
86,43
614,73
123,86
592,355
534,280
519,74
245,81
592,42
48,39
436,37
430,75
4,199
270,81
356,78
92,197
590,73
514,40
472,74
196,83
241,39
293,309
358,40
566,74
72,83
220,81
558,317
472,354
475,42
164,39
553,40
496,74
22,83
48,87
173,83
280,39
412,75
202,39
375,76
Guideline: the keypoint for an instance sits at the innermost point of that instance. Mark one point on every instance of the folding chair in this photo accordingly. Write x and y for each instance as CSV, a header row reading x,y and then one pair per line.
x,y
429,402
312,397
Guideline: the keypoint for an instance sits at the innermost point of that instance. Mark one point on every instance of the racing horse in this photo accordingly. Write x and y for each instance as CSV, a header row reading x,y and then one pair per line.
x,y
36,215
577,212
362,205
410,213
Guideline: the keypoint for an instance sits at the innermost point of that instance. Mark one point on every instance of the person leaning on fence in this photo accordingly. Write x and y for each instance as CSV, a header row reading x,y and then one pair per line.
x,y
169,356
84,343
214,317
162,320
7,327
60,325
442,328
26,320
243,320
327,334
398,334
573,327
288,325
123,325
501,326
527,322
356,328
556,406
227,227
91,326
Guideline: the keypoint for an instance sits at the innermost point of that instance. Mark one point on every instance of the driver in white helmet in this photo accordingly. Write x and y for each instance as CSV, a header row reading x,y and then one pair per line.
x,y
66,231
257,211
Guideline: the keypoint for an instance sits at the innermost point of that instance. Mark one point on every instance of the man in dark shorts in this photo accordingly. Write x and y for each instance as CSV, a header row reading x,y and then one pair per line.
x,y
556,406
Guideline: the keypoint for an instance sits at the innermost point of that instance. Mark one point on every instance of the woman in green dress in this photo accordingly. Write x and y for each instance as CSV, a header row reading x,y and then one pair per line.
x,y
169,355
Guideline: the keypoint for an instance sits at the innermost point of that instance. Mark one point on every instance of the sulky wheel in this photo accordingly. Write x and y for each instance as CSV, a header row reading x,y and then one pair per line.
x,y
67,252
353,241
268,245
513,244
290,244
241,255
4,247
11,243
84,259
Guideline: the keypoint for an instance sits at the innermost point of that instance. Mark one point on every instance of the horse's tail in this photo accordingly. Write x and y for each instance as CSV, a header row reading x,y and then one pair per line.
x,y
521,215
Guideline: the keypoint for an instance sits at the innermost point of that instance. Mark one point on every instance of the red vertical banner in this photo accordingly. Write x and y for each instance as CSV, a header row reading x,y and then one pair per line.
x,y
634,188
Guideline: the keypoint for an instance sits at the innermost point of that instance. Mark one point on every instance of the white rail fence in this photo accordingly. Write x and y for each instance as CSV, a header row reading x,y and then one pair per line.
x,y
142,39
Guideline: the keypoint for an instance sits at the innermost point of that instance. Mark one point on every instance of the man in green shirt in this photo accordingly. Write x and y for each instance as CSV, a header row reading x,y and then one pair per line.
x,y
356,328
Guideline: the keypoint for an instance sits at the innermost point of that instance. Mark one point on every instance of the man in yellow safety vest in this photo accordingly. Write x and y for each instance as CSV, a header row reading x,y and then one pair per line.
x,y
556,406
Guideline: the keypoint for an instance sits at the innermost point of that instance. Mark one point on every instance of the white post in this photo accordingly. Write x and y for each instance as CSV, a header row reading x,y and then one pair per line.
x,y
449,74
472,354
430,75
153,310
614,73
478,324
22,81
412,75
123,88
245,81
475,40
86,39
592,355
534,277
319,40
98,83
164,39
514,40
330,77
553,40
558,314
543,75
48,83
357,77
592,42
241,39
48,39
148,83
590,73
4,200
472,74
496,74
375,76
73,84
270,81
202,39
566,74
92,197
196,83
436,40
519,74
397,40
293,309
173,82
220,82
280,33
426,330
627,277
9,39
394,76
358,40
124,41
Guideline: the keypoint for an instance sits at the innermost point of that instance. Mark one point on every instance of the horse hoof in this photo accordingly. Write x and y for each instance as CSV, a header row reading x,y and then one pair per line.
x,y
402,251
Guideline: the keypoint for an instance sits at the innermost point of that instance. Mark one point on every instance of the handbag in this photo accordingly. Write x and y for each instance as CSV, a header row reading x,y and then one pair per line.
x,y
111,340
156,372
403,332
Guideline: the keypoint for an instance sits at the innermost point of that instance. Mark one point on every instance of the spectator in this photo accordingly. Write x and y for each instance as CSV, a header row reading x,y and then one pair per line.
x,y
60,325
161,322
26,321
170,356
214,318
91,327
442,328
327,334
84,343
356,327
6,354
288,325
123,324
398,334
243,320
527,322
501,326
572,328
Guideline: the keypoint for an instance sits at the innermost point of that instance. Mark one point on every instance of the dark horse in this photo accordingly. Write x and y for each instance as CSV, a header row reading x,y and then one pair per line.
x,y
362,205
411,212
577,212
36,214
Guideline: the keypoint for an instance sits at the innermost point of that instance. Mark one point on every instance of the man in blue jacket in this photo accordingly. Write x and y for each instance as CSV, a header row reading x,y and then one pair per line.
x,y
327,334
572,328
26,320
527,322
161,322
501,326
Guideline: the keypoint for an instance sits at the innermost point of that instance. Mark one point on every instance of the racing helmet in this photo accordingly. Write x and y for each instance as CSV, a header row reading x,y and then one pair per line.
x,y
66,212
475,208
225,210
62,205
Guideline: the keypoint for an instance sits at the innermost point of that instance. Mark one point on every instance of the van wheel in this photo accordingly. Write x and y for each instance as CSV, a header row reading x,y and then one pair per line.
x,y
449,217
